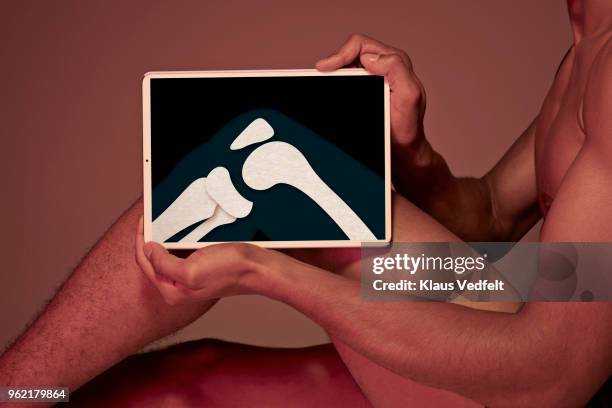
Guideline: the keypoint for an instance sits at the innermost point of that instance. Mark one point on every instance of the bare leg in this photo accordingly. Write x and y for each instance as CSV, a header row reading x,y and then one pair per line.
x,y
106,311
218,374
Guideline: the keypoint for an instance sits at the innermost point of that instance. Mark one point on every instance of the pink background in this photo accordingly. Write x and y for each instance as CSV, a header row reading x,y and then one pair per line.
x,y
71,111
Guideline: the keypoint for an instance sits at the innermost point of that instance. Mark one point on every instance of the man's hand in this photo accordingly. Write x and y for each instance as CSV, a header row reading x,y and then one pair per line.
x,y
209,273
500,206
407,93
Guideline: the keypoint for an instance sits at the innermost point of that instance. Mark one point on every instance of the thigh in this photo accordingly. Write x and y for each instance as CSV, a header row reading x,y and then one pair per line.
x,y
220,374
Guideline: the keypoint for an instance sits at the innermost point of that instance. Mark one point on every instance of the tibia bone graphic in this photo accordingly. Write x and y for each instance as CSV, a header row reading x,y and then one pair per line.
x,y
193,205
221,189
231,205
279,162
198,202
219,218
258,131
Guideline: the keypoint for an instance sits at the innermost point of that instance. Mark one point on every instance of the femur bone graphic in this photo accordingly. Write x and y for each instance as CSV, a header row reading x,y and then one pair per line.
x,y
216,200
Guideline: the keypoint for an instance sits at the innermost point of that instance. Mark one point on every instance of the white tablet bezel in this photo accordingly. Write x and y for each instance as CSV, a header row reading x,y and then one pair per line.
x,y
146,152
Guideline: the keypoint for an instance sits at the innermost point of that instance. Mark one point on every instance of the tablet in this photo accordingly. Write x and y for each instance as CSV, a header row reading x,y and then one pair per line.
x,y
278,158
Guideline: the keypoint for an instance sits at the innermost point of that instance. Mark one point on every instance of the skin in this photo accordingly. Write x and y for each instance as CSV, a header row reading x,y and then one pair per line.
x,y
394,360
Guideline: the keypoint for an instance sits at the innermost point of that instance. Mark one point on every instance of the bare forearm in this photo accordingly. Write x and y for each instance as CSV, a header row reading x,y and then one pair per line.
x,y
104,312
378,383
483,355
493,358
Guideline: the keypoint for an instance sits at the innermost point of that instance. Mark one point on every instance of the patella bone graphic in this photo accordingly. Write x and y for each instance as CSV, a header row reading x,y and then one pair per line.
x,y
258,131
216,201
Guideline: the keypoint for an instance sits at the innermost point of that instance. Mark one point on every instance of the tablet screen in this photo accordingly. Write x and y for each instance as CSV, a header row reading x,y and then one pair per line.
x,y
299,160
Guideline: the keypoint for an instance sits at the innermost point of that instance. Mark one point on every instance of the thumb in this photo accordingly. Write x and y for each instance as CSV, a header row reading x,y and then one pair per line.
x,y
162,261
150,247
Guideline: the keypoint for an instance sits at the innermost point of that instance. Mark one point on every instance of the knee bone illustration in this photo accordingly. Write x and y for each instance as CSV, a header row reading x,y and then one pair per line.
x,y
216,201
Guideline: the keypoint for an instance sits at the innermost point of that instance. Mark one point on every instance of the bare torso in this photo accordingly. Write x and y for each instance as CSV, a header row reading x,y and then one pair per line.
x,y
560,131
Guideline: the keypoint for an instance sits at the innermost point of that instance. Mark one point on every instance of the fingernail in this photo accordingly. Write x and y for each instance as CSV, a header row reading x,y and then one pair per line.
x,y
370,56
